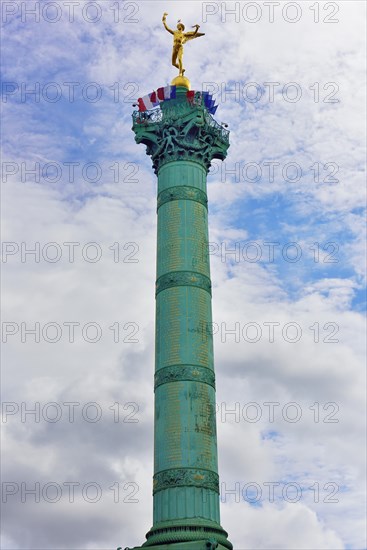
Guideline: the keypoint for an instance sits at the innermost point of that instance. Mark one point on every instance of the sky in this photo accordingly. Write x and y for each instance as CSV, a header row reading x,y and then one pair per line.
x,y
287,252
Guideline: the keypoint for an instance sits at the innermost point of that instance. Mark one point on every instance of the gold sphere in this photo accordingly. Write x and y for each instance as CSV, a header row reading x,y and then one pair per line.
x,y
181,81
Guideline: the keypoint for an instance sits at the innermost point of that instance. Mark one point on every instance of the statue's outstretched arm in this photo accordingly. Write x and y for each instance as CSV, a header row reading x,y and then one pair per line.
x,y
192,34
165,24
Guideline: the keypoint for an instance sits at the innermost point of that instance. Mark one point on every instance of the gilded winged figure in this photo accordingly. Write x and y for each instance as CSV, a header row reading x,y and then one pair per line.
x,y
179,39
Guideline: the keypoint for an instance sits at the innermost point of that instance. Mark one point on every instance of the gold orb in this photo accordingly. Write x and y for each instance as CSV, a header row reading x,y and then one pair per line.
x,y
181,81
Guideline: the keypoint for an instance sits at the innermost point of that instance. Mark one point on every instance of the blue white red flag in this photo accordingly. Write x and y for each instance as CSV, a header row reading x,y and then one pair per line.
x,y
209,102
148,102
152,100
167,92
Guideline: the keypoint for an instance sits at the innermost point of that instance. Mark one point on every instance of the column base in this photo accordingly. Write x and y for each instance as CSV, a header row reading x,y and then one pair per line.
x,y
187,531
194,545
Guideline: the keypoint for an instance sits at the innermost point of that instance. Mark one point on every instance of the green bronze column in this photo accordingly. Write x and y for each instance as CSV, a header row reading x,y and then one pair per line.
x,y
182,139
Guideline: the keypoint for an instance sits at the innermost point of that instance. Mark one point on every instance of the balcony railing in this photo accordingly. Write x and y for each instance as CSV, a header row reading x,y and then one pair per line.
x,y
147,117
214,124
154,116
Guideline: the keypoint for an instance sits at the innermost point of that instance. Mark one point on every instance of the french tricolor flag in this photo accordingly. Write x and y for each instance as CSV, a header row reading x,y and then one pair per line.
x,y
209,102
148,101
152,100
167,92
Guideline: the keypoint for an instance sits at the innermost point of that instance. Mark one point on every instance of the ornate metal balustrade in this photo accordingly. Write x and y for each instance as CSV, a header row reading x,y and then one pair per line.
x,y
156,115
214,124
147,117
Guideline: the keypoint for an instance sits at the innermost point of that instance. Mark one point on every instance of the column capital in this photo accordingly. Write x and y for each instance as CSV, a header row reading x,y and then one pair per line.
x,y
180,130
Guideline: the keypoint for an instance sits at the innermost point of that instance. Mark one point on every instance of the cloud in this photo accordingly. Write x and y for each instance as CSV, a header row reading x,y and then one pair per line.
x,y
294,527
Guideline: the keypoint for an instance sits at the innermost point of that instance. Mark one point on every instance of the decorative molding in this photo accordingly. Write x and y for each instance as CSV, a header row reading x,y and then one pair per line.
x,y
182,192
185,477
183,278
188,534
180,373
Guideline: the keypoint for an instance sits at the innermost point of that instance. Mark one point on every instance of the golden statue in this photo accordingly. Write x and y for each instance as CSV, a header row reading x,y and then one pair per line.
x,y
179,39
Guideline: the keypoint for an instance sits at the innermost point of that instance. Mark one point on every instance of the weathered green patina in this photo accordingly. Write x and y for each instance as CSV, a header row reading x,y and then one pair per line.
x,y
182,139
